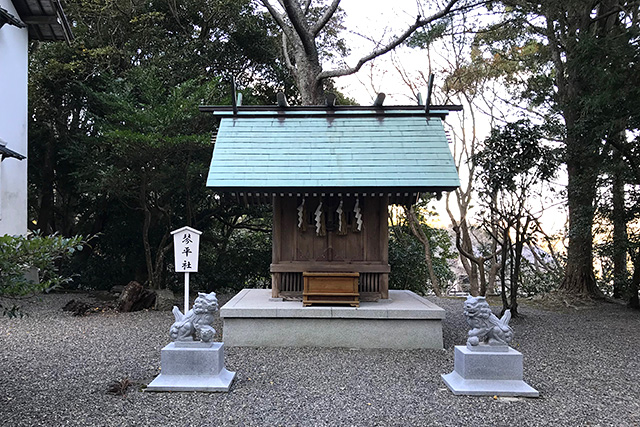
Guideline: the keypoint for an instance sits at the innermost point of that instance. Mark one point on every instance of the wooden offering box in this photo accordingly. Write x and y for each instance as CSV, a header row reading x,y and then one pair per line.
x,y
330,288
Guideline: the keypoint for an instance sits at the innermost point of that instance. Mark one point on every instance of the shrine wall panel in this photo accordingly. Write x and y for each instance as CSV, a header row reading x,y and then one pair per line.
x,y
339,239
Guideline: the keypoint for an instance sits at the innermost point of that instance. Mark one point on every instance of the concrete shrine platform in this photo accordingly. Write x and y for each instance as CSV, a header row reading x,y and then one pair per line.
x,y
404,321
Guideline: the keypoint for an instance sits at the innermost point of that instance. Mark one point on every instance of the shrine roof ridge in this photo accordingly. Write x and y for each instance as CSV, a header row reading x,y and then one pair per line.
x,y
249,111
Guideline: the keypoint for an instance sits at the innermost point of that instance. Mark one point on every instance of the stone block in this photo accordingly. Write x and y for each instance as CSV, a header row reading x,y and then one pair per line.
x,y
306,312
488,348
486,373
165,300
333,332
479,365
196,366
356,313
511,388
404,321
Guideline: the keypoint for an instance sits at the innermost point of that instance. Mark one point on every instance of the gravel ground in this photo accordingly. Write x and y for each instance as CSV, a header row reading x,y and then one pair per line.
x,y
55,370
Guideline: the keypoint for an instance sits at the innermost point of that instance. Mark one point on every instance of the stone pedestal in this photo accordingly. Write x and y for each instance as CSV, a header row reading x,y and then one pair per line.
x,y
192,366
488,373
404,321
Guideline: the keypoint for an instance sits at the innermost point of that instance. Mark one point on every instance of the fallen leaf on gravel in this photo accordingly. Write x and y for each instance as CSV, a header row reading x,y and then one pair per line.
x,y
120,387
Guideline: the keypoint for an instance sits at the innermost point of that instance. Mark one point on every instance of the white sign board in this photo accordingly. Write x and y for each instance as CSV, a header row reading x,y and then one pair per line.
x,y
186,244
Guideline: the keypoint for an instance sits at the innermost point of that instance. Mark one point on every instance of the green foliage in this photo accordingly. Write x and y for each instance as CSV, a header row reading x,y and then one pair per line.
x,y
516,166
243,264
512,152
406,258
514,52
537,283
331,45
118,147
536,279
425,37
12,312
584,75
18,254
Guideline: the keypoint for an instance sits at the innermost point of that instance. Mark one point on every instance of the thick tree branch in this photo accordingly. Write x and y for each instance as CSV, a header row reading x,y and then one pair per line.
x,y
278,17
285,53
419,233
325,18
420,22
469,256
296,16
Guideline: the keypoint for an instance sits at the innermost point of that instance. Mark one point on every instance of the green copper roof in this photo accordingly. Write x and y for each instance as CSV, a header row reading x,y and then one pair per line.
x,y
294,151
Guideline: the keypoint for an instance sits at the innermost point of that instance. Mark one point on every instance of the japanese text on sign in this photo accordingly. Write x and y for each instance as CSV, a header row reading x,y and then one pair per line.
x,y
186,242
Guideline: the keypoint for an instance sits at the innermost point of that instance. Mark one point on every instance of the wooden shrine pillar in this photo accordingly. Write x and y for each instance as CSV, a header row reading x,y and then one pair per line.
x,y
384,244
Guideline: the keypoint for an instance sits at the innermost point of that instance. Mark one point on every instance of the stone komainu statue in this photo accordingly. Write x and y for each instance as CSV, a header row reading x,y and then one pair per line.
x,y
486,328
197,323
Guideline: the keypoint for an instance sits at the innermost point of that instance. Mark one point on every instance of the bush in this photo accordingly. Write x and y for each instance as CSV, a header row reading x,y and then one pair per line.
x,y
244,263
408,266
18,254
535,282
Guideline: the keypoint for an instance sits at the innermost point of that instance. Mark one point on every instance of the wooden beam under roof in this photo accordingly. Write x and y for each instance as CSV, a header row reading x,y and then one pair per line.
x,y
256,198
41,20
45,19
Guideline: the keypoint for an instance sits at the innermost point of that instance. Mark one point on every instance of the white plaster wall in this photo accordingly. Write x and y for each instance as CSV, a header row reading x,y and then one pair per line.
x,y
13,125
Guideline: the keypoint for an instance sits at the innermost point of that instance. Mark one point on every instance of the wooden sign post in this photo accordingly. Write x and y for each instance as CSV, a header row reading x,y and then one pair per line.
x,y
186,244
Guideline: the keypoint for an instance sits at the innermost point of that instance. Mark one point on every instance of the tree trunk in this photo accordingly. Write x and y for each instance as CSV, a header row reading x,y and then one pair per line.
x,y
158,269
311,89
517,262
466,247
146,226
503,269
46,196
581,190
482,275
417,231
620,243
494,269
563,29
634,301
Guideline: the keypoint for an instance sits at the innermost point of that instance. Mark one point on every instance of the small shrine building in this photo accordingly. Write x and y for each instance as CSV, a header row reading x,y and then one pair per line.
x,y
330,174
